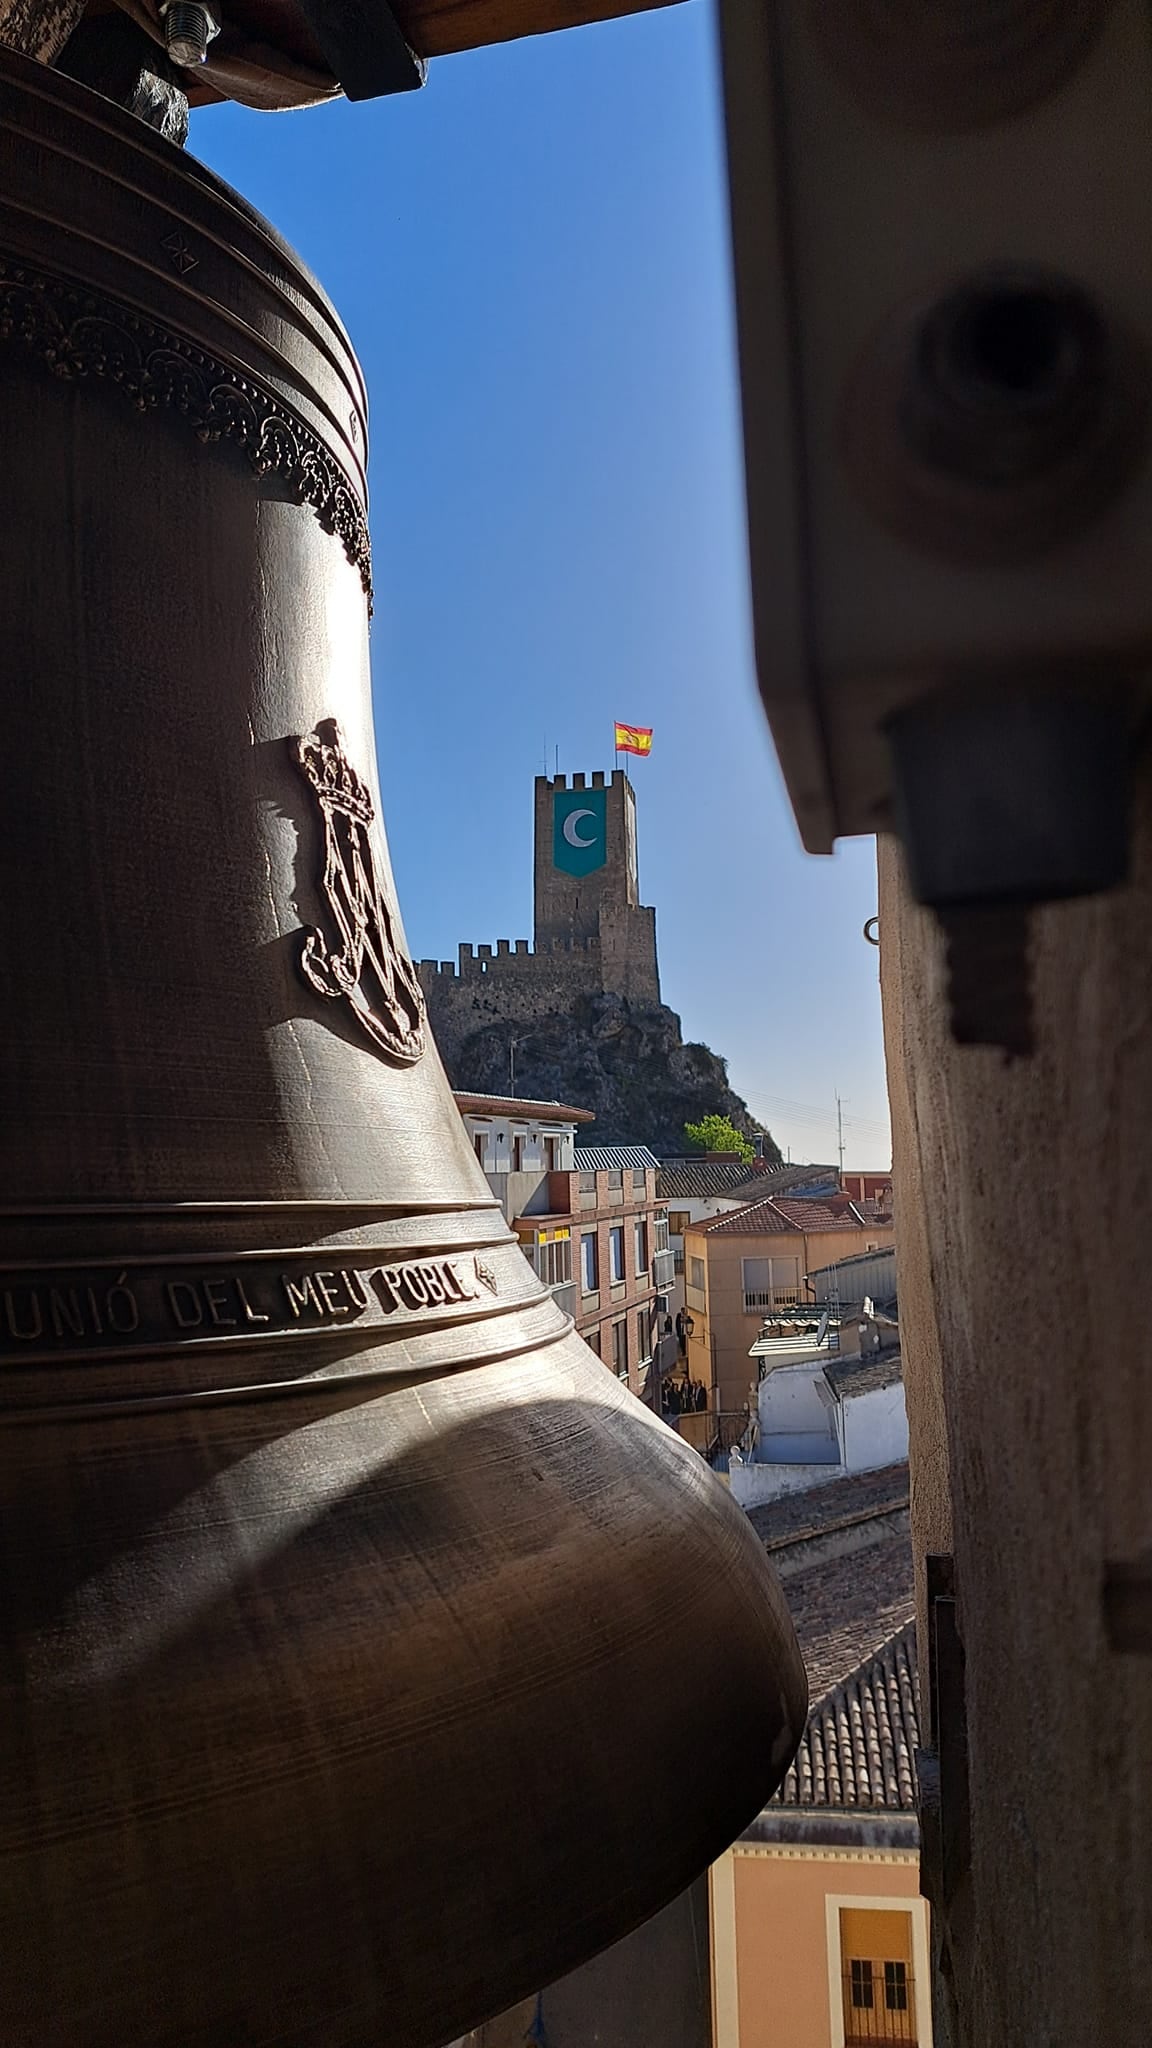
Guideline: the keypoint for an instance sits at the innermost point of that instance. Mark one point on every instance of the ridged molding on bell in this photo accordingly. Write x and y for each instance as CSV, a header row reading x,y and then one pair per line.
x,y
79,334
366,966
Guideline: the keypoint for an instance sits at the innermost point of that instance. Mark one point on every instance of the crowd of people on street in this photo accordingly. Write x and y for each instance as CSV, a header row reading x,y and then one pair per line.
x,y
683,1397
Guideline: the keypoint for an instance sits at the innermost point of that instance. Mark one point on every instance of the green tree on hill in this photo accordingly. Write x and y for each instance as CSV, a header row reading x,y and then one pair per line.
x,y
717,1134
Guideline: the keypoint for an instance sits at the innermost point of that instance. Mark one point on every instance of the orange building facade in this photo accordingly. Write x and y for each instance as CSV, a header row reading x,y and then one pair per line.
x,y
744,1266
819,1935
818,1948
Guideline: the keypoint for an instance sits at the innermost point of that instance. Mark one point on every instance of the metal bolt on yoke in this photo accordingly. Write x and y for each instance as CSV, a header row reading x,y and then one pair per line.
x,y
189,27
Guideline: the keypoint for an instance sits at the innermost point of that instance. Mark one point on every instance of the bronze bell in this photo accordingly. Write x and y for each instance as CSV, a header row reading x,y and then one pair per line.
x,y
351,1609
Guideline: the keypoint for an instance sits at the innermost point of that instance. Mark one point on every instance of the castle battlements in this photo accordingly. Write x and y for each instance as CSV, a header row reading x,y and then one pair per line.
x,y
592,934
597,780
511,956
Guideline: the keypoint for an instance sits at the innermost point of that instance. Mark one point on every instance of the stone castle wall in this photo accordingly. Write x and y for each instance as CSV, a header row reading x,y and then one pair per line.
x,y
515,984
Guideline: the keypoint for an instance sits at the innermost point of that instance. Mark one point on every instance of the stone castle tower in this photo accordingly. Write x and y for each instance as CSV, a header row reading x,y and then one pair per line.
x,y
587,885
592,934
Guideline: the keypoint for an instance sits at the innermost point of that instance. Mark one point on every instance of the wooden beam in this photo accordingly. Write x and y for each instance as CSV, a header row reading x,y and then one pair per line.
x,y
437,28
363,45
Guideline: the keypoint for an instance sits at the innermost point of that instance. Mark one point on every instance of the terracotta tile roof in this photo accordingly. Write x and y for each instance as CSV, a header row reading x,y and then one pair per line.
x,y
811,1214
818,1508
776,1214
805,1183
858,1749
853,1610
685,1178
845,1604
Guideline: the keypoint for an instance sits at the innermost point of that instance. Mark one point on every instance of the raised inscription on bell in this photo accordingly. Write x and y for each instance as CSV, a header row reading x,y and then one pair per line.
x,y
113,1309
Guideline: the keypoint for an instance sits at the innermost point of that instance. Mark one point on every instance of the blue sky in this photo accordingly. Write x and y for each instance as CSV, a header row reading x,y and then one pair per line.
x,y
531,256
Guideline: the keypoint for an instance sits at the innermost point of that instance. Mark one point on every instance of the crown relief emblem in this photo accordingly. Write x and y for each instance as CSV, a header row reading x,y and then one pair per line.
x,y
358,959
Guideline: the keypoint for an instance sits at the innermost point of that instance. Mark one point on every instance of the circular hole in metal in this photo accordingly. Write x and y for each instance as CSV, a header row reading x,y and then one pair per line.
x,y
1014,346
1015,342
998,418
1008,373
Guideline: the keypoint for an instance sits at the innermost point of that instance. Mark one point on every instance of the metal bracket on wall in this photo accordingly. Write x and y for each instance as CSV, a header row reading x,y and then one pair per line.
x,y
942,1768
989,978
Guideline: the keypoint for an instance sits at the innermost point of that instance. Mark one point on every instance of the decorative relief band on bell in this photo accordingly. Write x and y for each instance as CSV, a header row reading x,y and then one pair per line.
x,y
162,1332
75,1315
363,964
161,1304
77,333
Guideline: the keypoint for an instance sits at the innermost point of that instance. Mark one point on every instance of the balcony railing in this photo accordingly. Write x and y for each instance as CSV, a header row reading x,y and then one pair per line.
x,y
879,2004
713,1434
765,1302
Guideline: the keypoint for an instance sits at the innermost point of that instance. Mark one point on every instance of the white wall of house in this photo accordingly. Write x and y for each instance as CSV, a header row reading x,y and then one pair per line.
x,y
752,1484
874,1429
797,1417
500,1133
864,1431
701,1209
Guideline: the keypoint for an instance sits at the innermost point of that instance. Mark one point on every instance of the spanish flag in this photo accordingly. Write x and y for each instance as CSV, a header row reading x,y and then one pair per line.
x,y
633,739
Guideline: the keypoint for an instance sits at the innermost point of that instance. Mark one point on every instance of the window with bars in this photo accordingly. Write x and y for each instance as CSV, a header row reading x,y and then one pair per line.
x,y
878,2003
860,1980
896,1987
876,1967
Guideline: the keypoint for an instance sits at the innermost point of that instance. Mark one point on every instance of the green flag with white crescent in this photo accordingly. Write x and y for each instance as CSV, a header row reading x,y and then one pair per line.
x,y
579,830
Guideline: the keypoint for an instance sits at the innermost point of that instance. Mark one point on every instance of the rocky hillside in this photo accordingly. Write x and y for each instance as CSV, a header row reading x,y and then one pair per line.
x,y
628,1064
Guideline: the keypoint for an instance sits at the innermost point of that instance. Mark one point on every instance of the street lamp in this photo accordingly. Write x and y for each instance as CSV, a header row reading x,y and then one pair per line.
x,y
512,1045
